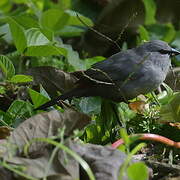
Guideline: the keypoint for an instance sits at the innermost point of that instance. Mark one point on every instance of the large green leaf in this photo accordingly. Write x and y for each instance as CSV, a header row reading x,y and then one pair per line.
x,y
5,5
143,33
170,33
65,4
35,37
7,67
26,21
176,41
137,171
74,59
18,34
150,11
165,32
19,110
37,98
90,105
45,50
54,19
19,78
171,111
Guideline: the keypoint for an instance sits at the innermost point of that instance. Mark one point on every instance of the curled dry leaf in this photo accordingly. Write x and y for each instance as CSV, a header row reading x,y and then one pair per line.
x,y
46,125
52,79
139,106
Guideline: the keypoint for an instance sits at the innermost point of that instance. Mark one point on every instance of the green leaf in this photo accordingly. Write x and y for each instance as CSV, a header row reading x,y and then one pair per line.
x,y
65,4
73,58
54,19
150,11
35,37
143,33
125,136
45,50
26,21
93,134
21,78
75,21
125,111
18,34
90,61
37,98
7,67
165,32
4,30
176,41
70,31
90,105
170,33
5,5
2,90
137,171
171,111
19,110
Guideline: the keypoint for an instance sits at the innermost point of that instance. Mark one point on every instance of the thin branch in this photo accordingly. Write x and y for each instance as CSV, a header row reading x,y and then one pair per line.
x,y
125,27
97,32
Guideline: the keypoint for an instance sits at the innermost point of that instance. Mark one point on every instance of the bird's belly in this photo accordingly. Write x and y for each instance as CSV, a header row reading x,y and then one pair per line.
x,y
142,85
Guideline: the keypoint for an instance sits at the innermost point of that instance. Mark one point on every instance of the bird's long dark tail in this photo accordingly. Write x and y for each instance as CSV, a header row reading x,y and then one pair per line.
x,y
68,95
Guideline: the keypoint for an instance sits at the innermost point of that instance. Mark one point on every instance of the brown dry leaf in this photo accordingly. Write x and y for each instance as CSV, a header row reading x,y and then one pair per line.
x,y
4,132
46,125
52,79
138,106
37,168
43,125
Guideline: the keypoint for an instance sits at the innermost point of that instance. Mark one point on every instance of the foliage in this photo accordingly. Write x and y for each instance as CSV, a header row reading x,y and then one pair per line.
x,y
41,33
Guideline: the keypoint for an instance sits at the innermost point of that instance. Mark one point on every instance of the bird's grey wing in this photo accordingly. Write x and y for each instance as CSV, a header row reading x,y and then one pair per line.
x,y
116,68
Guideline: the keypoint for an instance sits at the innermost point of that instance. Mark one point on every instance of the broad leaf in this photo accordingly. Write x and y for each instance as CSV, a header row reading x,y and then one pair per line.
x,y
150,11
143,33
18,34
35,37
90,105
74,20
54,19
37,98
20,110
171,111
21,79
137,171
26,21
45,50
7,67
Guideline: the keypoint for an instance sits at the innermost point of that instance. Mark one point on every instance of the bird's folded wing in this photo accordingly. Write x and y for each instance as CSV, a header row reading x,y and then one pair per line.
x,y
118,67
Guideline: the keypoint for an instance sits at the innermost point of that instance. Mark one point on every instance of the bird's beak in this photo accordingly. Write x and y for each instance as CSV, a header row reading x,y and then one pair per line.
x,y
174,52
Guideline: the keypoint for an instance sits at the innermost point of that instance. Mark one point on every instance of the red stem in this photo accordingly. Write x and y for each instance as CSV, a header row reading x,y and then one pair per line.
x,y
152,137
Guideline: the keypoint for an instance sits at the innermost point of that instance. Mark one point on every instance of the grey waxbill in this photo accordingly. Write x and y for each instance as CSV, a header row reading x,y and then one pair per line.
x,y
124,75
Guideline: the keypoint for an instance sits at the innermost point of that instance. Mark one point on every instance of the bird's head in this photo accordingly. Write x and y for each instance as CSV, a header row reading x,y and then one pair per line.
x,y
161,47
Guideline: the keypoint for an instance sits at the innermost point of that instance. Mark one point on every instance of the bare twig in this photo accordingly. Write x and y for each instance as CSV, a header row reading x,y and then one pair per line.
x,y
125,27
97,32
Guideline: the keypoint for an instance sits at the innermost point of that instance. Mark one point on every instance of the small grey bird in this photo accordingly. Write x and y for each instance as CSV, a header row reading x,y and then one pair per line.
x,y
124,75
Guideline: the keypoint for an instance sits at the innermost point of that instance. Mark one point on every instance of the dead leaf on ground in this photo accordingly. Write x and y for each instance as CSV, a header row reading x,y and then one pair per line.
x,y
37,168
46,125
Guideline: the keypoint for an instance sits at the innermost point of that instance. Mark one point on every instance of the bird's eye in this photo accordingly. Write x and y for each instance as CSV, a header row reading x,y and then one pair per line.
x,y
163,51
